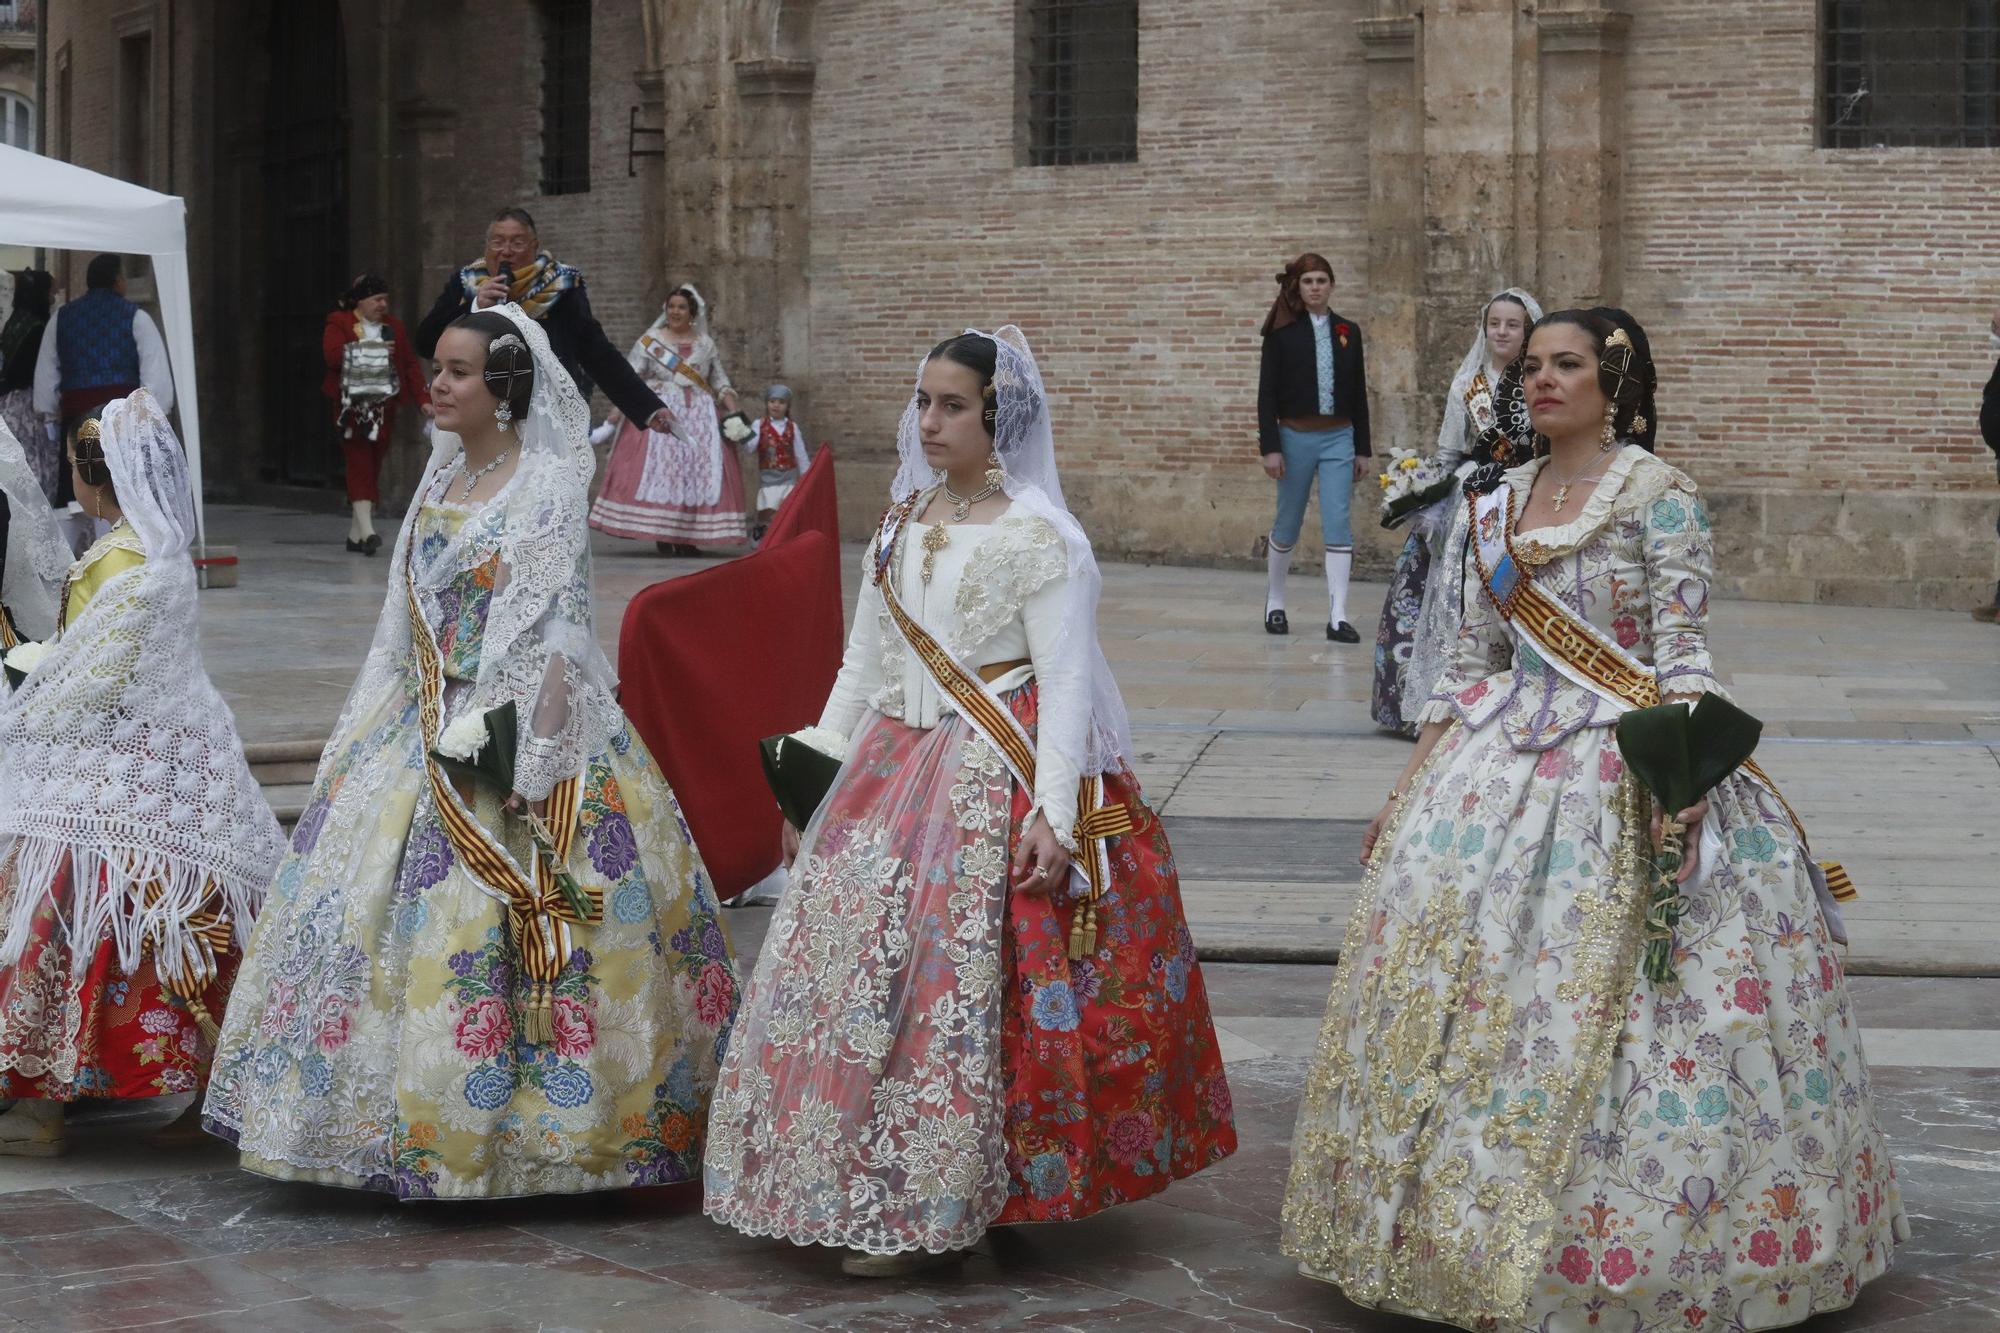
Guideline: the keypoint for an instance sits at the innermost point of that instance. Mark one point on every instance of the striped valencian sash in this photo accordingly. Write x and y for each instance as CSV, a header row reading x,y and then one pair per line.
x,y
673,363
983,711
539,914
1582,653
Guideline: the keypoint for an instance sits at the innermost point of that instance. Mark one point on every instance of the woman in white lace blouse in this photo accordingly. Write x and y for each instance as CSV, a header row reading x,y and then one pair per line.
x,y
978,1001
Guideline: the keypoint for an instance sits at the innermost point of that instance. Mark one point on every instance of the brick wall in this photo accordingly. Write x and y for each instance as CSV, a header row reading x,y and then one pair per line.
x,y
1140,285
1819,316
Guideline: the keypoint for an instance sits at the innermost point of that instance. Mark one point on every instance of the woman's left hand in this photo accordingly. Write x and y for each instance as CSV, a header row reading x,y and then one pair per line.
x,y
1040,863
1361,465
428,410
1690,819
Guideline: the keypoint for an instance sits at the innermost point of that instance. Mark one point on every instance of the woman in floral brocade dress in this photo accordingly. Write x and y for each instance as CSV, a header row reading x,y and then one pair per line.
x,y
385,1034
933,1041
1507,1125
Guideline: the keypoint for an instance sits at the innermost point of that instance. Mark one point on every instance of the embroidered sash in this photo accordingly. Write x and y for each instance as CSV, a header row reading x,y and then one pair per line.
x,y
983,711
539,914
673,363
1582,653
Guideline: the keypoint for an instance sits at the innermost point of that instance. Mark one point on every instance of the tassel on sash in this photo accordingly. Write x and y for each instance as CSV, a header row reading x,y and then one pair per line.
x,y
1096,823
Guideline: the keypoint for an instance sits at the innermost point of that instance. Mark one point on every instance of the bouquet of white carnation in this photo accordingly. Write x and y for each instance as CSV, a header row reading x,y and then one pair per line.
x,y
736,427
1409,483
21,659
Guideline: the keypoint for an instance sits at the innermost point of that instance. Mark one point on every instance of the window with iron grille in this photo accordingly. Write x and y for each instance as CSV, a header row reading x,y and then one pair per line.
x,y
565,96
1080,77
1910,74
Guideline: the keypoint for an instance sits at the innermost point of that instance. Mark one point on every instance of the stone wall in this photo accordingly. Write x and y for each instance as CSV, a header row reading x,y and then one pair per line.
x,y
1141,285
1821,315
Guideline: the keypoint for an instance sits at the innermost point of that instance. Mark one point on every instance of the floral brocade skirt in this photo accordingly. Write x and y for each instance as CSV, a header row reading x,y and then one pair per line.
x,y
375,1037
918,1057
1397,634
1507,1126
69,1031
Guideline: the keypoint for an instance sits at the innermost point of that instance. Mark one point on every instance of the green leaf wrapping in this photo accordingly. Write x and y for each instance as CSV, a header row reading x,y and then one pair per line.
x,y
1681,754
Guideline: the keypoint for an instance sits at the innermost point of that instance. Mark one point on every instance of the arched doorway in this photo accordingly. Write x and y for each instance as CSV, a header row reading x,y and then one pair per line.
x,y
305,183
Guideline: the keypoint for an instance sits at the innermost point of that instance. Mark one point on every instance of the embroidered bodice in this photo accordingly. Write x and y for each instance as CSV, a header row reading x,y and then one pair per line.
x,y
110,555
1635,562
457,612
996,595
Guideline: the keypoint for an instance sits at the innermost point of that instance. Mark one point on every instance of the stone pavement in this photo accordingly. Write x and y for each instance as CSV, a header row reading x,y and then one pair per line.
x,y
1882,727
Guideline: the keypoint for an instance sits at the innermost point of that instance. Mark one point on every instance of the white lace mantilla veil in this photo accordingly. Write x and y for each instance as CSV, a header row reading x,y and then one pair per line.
x,y
1099,740
539,649
117,755
1438,621
37,557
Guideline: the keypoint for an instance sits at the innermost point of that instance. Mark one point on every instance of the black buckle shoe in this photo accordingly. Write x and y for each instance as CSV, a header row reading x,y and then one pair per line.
x,y
1342,633
1275,623
356,547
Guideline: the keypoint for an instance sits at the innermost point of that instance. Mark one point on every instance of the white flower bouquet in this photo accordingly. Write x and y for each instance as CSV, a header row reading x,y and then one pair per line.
x,y
736,428
1410,483
21,659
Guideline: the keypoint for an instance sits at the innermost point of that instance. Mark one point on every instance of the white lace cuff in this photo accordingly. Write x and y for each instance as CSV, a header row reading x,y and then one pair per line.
x,y
538,766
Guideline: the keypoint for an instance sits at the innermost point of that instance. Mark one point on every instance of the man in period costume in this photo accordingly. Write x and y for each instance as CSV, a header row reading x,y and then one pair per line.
x,y
1312,420
100,347
516,268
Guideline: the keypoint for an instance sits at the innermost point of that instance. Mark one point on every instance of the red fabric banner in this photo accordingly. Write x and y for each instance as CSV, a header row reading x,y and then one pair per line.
x,y
712,663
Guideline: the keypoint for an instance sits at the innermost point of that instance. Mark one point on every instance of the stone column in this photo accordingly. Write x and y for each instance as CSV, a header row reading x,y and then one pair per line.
x,y
1472,168
1582,128
1390,41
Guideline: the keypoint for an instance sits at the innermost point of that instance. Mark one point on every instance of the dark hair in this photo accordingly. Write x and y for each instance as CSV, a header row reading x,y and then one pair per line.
x,y
104,271
510,370
978,355
33,288
686,294
363,287
91,466
519,215
1628,383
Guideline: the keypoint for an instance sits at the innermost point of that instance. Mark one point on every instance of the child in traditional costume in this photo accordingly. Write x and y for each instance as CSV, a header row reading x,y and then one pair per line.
x,y
782,457
135,847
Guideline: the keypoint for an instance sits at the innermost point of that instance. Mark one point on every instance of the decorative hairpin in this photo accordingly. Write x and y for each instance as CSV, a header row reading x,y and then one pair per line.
x,y
91,431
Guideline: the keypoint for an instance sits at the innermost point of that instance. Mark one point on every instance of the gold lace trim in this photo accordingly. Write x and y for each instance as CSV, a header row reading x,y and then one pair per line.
x,y
1379,1202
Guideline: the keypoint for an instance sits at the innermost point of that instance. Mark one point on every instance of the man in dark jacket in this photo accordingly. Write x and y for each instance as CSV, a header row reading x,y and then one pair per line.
x,y
516,268
1989,430
1312,420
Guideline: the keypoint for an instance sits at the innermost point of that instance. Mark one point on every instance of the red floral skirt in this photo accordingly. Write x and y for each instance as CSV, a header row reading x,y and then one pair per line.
x,y
97,1031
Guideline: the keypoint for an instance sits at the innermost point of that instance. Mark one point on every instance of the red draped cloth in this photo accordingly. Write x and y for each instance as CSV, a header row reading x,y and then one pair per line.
x,y
712,663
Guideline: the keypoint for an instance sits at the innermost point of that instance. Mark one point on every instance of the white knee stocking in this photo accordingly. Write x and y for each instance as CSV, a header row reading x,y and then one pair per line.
x,y
1339,564
1277,564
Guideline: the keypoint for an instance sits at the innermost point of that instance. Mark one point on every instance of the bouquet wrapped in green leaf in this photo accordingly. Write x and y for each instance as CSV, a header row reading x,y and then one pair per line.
x,y
1680,754
481,749
801,768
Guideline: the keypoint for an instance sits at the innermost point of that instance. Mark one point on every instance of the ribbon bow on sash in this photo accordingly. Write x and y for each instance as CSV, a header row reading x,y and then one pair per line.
x,y
539,913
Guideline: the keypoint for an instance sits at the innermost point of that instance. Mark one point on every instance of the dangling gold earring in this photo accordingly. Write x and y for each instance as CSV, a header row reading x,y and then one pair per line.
x,y
1609,439
995,474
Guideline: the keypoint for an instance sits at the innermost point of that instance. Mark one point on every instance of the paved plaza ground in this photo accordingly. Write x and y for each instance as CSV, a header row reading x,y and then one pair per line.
x,y
1882,726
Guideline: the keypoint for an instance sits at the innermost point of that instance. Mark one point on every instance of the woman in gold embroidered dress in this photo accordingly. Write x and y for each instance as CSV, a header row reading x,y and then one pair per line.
x,y
1506,1125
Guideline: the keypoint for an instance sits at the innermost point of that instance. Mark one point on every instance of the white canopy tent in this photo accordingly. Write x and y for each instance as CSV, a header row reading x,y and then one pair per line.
x,y
57,206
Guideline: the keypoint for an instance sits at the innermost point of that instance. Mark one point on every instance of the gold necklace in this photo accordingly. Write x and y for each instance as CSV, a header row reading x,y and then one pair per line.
x,y
1562,487
936,539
